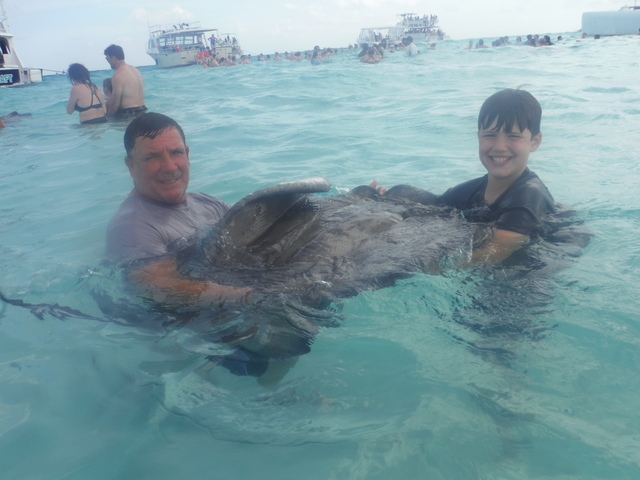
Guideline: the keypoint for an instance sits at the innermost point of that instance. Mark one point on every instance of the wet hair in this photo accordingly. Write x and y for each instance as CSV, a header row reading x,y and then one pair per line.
x,y
79,73
511,107
114,51
107,84
149,125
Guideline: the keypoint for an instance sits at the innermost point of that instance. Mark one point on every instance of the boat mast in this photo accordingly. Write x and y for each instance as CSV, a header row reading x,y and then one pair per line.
x,y
4,21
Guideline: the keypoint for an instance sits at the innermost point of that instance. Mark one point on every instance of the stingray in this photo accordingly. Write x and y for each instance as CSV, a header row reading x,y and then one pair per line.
x,y
285,238
301,251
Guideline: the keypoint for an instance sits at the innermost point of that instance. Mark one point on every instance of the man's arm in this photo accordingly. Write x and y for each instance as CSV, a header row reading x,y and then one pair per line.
x,y
161,282
503,244
113,103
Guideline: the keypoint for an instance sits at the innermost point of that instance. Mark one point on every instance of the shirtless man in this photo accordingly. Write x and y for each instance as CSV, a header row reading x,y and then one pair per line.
x,y
127,98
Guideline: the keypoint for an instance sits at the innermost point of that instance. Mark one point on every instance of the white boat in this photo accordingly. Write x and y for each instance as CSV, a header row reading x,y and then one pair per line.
x,y
423,29
381,34
625,21
12,72
178,45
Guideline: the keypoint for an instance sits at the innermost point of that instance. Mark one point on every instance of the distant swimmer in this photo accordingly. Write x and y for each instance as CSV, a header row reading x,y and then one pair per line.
x,y
316,58
470,46
127,98
481,44
85,97
546,40
369,54
411,47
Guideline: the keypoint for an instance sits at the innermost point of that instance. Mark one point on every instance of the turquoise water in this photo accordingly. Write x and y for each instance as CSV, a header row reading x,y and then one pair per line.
x,y
408,385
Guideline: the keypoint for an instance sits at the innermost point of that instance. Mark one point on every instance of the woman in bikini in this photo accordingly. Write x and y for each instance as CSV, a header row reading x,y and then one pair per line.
x,y
85,97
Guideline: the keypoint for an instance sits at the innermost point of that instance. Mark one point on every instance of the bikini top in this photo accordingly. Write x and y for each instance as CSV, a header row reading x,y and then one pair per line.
x,y
93,105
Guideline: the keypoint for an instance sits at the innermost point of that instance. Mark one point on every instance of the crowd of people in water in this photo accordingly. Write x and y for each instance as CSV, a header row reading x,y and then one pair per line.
x,y
213,56
529,41
122,96
208,57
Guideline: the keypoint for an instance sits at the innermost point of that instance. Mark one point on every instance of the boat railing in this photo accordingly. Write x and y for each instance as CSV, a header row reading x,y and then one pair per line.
x,y
157,30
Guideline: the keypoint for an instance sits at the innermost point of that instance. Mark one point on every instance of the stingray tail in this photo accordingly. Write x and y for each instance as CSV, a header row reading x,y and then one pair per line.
x,y
40,309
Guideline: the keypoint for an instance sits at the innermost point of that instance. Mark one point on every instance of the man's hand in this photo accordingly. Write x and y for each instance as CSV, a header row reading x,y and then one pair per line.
x,y
161,281
380,189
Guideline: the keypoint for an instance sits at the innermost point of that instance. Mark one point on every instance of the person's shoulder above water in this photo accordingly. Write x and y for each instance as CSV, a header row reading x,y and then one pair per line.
x,y
529,185
144,228
465,194
520,208
524,206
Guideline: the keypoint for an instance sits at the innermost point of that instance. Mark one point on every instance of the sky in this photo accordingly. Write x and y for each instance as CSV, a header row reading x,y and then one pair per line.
x,y
51,34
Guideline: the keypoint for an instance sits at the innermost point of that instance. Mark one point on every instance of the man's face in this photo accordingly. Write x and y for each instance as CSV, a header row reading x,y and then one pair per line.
x,y
503,154
160,167
110,60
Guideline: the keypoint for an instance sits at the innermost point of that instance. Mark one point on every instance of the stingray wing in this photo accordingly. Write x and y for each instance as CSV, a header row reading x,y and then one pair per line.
x,y
253,218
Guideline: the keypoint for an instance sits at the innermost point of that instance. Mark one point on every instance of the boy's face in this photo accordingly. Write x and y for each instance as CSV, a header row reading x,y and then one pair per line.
x,y
505,155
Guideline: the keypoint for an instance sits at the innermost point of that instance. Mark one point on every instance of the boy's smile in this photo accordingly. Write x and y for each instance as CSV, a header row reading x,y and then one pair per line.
x,y
505,155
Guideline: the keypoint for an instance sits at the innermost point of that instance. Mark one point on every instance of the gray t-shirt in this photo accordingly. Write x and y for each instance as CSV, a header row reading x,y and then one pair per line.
x,y
143,229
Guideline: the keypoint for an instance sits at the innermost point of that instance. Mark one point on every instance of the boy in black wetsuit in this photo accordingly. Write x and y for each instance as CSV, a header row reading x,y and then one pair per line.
x,y
510,196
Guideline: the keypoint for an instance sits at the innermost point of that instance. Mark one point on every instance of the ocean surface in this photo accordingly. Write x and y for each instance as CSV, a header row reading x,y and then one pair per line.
x,y
425,379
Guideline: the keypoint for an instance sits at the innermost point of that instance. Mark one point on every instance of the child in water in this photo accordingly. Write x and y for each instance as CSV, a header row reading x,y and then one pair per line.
x,y
510,196
107,88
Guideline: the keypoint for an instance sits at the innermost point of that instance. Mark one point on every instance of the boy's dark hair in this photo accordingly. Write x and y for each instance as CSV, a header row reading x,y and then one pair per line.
x,y
114,51
149,125
511,107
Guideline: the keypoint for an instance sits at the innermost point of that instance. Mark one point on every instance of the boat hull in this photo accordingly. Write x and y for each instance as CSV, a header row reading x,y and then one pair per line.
x,y
19,76
622,22
12,71
175,59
